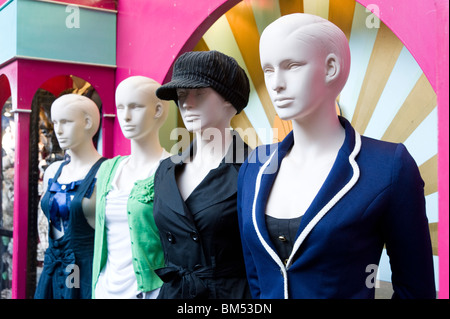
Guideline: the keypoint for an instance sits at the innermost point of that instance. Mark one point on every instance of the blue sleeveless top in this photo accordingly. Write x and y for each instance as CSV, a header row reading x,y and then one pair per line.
x,y
67,272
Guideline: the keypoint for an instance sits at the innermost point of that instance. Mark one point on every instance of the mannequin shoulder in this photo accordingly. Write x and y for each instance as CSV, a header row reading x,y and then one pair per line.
x,y
168,162
255,160
51,170
49,173
261,154
108,165
379,150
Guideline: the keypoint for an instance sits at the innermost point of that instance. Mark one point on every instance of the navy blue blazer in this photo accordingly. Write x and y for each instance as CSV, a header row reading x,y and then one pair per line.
x,y
373,196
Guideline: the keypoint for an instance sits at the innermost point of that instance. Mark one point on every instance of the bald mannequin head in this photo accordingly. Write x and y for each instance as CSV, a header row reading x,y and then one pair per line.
x,y
79,103
139,111
324,39
146,87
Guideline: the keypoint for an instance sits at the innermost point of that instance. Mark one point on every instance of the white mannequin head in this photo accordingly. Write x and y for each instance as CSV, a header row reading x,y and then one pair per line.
x,y
208,86
306,62
204,108
75,118
139,111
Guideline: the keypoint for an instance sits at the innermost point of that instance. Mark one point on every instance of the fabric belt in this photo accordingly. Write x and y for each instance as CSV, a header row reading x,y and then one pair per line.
x,y
192,285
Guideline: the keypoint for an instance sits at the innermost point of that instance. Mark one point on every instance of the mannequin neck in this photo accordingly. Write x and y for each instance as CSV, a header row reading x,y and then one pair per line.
x,y
212,144
82,158
145,151
317,134
145,154
83,154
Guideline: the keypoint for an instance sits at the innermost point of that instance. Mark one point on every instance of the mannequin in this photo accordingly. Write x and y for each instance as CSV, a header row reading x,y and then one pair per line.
x,y
217,117
69,201
127,245
322,216
195,192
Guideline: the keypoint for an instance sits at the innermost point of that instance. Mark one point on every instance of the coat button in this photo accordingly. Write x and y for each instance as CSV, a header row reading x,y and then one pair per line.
x,y
282,238
170,237
194,236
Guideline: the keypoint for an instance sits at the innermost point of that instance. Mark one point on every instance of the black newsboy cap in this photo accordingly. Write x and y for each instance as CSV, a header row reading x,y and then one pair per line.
x,y
200,69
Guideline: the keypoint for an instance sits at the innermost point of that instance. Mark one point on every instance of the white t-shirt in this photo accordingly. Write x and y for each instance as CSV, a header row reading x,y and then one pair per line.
x,y
117,279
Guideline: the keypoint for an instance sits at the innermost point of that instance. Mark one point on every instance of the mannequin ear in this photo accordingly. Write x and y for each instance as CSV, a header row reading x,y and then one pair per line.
x,y
88,122
230,108
228,104
332,67
159,109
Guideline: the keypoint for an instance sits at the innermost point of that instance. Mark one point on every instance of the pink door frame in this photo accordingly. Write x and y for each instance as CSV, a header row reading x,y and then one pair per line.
x,y
25,77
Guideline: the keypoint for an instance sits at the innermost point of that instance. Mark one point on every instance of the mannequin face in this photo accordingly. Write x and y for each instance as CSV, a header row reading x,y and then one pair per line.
x,y
136,111
203,108
70,125
294,72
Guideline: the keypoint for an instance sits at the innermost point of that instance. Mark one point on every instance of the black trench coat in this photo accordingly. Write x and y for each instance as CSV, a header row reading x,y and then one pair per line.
x,y
200,236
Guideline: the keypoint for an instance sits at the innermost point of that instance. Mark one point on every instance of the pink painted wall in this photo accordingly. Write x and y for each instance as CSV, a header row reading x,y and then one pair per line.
x,y
414,23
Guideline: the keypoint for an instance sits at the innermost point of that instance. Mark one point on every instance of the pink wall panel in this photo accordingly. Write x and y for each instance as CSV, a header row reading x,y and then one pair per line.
x,y
414,23
442,86
149,43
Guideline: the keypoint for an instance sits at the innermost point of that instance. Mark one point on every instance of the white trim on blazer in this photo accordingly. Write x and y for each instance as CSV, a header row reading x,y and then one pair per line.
x,y
316,218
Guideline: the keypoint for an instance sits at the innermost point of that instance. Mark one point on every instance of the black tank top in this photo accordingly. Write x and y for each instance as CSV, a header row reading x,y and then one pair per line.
x,y
283,233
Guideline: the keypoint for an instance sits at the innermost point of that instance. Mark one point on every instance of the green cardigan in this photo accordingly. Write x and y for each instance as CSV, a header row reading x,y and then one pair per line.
x,y
145,242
